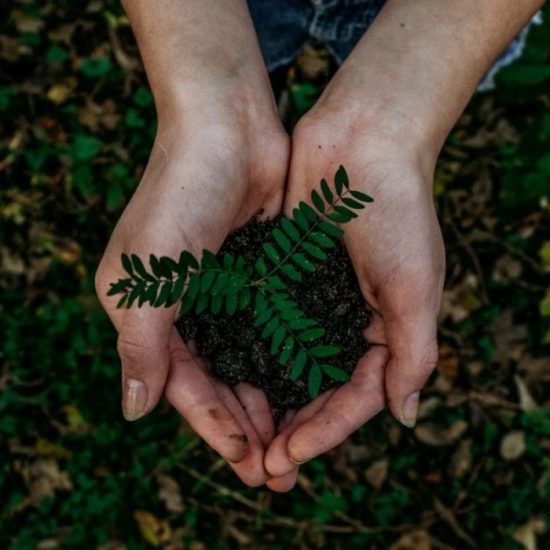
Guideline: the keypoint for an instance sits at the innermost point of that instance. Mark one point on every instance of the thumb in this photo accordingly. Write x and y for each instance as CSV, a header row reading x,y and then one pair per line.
x,y
144,354
412,342
143,337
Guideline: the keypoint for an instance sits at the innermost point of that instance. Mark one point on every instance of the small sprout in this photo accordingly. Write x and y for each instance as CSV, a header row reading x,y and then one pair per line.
x,y
226,284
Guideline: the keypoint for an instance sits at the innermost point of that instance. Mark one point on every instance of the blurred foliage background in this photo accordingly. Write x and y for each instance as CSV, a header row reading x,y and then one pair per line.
x,y
76,125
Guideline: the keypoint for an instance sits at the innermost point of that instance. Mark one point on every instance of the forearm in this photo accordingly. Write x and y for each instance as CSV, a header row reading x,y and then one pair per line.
x,y
422,60
199,50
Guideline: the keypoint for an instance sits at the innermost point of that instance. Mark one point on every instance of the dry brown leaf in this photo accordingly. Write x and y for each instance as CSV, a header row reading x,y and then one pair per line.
x,y
415,540
44,478
427,406
48,448
26,24
512,445
153,530
448,364
526,534
430,434
526,401
377,473
10,263
461,461
59,93
170,493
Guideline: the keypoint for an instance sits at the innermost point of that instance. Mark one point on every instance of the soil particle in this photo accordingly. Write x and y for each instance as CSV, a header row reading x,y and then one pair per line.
x,y
235,349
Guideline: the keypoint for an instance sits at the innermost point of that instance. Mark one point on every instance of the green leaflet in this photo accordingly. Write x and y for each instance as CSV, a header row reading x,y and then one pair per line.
x,y
271,253
290,229
314,251
299,364
120,286
245,298
300,218
303,262
207,280
159,270
314,379
221,284
282,240
341,180
325,351
269,329
188,260
287,350
260,267
327,193
291,272
361,196
335,373
352,203
127,264
277,340
216,303
322,240
311,334
317,201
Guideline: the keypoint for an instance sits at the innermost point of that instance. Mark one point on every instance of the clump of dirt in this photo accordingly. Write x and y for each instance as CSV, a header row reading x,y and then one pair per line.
x,y
235,348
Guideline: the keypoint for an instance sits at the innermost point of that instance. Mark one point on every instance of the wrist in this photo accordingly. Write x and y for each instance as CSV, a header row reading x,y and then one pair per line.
x,y
377,131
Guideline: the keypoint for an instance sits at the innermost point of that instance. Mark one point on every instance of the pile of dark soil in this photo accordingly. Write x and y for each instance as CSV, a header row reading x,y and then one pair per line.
x,y
235,349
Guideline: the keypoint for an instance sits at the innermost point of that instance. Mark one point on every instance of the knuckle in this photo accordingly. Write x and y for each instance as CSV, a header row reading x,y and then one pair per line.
x,y
429,360
131,351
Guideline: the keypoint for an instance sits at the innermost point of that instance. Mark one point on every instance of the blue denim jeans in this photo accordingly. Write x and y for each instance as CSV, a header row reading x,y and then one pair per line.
x,y
284,27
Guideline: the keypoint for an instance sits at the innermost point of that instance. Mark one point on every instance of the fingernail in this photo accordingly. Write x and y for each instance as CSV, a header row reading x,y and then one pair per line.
x,y
298,463
409,410
134,400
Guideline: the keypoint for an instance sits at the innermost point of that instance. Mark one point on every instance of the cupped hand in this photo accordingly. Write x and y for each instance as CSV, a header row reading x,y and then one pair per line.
x,y
397,252
210,171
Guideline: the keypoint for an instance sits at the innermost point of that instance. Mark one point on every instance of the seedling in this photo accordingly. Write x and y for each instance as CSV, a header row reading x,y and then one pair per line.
x,y
224,284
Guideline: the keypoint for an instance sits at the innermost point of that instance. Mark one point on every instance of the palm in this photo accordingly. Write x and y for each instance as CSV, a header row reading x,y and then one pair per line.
x,y
396,249
196,191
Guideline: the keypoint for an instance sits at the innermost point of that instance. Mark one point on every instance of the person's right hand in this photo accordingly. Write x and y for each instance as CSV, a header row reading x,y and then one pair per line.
x,y
210,171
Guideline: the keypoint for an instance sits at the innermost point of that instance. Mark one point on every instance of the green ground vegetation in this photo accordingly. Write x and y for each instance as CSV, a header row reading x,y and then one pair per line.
x,y
75,132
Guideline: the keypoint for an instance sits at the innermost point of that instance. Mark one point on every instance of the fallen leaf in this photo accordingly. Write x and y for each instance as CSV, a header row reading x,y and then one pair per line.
x,y
47,448
153,530
44,478
526,534
428,406
461,461
526,401
512,445
377,473
170,493
415,540
448,364
59,93
430,434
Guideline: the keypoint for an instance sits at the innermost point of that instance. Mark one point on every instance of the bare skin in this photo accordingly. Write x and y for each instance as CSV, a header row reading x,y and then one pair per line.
x,y
221,156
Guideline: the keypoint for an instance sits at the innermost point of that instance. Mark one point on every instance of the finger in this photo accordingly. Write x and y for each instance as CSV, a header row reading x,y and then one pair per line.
x,y
144,354
256,407
413,345
251,468
277,460
143,337
348,408
191,391
284,483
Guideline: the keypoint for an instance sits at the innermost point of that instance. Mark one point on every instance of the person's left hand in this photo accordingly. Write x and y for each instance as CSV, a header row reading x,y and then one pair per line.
x,y
396,248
